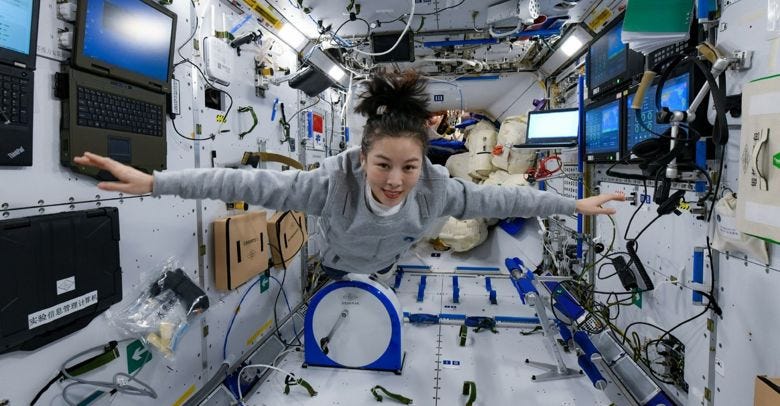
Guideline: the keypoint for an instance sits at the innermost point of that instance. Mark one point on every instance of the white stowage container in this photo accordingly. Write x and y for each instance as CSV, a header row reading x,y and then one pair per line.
x,y
463,235
459,166
481,140
512,132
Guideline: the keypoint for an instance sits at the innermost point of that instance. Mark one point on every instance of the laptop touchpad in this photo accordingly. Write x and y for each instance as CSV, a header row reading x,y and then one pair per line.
x,y
119,150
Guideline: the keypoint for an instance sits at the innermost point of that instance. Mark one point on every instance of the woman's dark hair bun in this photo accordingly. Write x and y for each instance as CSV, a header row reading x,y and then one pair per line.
x,y
401,94
396,105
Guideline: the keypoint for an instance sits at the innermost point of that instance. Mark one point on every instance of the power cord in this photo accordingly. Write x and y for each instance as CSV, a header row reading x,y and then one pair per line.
x,y
121,382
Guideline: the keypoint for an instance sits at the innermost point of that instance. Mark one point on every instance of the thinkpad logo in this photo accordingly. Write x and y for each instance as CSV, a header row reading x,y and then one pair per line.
x,y
16,153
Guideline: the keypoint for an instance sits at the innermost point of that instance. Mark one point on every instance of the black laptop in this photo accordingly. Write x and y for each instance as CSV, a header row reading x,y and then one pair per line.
x,y
18,43
114,95
552,129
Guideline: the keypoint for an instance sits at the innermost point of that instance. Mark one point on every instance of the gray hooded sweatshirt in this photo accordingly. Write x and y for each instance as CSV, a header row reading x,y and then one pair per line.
x,y
354,238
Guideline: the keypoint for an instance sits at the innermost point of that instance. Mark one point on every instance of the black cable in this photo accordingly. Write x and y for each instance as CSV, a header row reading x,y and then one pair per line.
x,y
631,220
173,121
197,24
399,18
276,318
646,227
365,37
45,388
598,271
439,11
289,120
203,75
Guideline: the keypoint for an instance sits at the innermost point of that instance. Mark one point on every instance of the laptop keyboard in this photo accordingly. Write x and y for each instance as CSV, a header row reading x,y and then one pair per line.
x,y
13,100
106,110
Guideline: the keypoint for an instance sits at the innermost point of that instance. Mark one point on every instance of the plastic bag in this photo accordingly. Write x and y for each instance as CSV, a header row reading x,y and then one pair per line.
x,y
726,237
163,311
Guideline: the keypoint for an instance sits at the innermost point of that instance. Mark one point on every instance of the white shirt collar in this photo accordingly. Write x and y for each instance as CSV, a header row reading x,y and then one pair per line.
x,y
378,208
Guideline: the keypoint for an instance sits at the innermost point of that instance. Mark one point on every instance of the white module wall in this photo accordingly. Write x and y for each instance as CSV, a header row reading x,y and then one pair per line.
x,y
157,230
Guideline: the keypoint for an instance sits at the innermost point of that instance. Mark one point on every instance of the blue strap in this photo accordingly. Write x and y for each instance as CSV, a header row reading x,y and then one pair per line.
x,y
455,290
491,293
423,318
421,288
478,268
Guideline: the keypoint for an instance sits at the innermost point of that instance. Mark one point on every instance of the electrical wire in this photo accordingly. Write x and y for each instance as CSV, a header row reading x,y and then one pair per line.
x,y
121,381
400,37
235,313
266,366
289,120
289,309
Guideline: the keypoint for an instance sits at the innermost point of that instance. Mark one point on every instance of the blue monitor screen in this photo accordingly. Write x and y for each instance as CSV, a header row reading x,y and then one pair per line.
x,y
675,96
15,25
129,34
602,129
607,57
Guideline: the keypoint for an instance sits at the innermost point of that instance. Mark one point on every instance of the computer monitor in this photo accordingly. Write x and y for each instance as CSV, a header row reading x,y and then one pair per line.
x,y
675,95
610,64
18,31
553,126
603,129
128,39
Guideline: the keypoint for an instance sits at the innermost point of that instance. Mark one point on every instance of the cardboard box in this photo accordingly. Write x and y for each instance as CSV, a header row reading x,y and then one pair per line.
x,y
240,249
767,391
287,232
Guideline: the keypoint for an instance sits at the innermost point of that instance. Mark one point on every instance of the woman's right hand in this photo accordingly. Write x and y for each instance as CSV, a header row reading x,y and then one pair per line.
x,y
131,180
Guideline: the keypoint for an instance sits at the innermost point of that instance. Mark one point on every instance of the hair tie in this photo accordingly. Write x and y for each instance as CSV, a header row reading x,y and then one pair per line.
x,y
381,110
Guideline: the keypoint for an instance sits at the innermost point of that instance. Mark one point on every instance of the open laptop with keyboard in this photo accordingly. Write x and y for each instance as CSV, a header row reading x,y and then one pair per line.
x,y
114,95
552,129
18,44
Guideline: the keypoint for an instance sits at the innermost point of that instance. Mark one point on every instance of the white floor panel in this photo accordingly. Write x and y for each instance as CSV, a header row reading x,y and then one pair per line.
x,y
436,366
496,364
347,387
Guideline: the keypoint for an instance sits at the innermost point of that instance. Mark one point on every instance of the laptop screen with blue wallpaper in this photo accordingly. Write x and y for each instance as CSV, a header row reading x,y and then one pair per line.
x,y
16,25
129,34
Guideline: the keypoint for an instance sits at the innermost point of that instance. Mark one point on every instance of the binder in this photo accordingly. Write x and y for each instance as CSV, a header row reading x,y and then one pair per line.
x,y
649,25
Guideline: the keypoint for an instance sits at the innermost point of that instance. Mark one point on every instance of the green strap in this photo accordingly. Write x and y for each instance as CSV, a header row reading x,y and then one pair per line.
x,y
254,119
487,324
290,380
462,335
391,395
470,389
110,353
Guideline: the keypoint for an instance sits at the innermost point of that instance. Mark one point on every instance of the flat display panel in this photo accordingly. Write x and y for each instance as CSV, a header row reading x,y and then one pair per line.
x,y
130,35
607,57
602,131
553,126
16,25
675,95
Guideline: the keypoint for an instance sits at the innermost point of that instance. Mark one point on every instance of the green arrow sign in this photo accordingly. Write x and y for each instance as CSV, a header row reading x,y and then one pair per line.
x,y
137,356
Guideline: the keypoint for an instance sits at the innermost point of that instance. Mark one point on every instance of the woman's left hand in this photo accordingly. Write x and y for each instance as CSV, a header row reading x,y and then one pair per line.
x,y
592,205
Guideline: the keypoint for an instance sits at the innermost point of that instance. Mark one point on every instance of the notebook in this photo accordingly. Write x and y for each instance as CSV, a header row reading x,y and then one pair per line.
x,y
114,95
18,43
650,25
552,129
